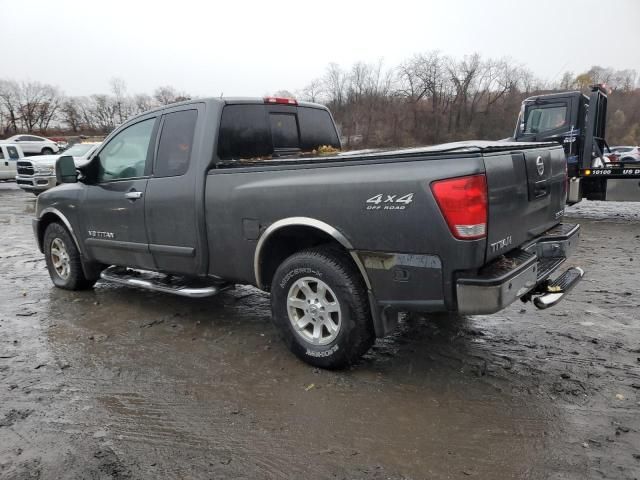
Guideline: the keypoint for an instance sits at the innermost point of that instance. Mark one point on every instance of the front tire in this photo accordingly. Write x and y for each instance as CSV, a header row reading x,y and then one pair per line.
x,y
47,151
63,259
319,305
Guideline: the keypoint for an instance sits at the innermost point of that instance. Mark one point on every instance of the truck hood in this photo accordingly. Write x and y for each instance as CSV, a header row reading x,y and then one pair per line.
x,y
43,160
50,160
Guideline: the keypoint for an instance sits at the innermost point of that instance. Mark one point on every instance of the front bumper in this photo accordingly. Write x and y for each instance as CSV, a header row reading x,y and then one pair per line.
x,y
38,183
517,273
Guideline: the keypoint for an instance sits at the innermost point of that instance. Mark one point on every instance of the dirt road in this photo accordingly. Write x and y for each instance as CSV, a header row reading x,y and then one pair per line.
x,y
120,383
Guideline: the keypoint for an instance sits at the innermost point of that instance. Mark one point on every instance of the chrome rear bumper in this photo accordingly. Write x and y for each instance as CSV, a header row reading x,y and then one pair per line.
x,y
518,273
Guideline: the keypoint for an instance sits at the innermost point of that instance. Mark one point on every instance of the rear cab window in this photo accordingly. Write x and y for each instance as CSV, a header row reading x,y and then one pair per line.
x,y
260,132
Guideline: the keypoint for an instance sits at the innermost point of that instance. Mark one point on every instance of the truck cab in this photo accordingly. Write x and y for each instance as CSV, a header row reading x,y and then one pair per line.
x,y
578,123
9,156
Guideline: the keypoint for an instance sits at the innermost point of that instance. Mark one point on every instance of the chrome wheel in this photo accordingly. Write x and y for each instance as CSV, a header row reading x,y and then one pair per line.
x,y
314,311
60,258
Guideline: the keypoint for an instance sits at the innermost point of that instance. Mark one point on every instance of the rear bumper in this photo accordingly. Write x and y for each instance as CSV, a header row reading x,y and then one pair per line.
x,y
517,273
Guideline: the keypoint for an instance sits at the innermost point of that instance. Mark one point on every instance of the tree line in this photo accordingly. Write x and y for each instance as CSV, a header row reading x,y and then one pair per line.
x,y
428,98
34,107
433,98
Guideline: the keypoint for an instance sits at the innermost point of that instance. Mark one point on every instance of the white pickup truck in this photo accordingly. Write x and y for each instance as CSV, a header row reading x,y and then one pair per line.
x,y
9,156
37,174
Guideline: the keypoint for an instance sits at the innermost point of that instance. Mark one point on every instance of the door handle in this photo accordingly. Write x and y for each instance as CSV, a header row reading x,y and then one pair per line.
x,y
133,195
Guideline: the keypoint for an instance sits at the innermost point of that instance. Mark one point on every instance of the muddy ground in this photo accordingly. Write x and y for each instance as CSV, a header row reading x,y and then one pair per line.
x,y
120,383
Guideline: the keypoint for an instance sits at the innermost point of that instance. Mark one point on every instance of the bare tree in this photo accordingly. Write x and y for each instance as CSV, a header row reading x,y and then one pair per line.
x,y
312,92
167,95
142,102
9,95
122,102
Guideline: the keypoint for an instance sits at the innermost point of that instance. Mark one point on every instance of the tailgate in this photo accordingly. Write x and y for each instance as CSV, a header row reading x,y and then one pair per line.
x,y
527,192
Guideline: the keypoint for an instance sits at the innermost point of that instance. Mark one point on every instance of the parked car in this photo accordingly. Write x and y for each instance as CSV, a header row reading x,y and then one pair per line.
x,y
9,156
33,145
624,154
37,174
196,197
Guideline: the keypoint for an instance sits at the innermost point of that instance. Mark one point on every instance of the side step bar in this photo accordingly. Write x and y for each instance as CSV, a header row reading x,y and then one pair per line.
x,y
556,289
161,283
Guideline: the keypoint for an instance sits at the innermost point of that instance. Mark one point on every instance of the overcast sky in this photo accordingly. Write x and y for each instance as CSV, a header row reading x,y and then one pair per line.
x,y
252,48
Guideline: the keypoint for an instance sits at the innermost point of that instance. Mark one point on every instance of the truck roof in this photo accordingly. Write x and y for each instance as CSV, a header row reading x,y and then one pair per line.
x,y
233,101
551,96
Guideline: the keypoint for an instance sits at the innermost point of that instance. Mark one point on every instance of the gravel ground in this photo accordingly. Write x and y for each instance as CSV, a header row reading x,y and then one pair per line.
x,y
116,383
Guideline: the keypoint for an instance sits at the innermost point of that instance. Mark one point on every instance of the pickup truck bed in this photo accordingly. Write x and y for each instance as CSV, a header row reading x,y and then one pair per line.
x,y
342,241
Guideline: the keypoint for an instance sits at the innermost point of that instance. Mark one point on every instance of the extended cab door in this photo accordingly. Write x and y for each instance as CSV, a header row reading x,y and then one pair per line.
x,y
113,208
174,195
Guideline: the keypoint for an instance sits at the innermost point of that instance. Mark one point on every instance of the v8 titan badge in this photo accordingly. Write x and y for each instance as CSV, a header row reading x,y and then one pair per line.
x,y
389,201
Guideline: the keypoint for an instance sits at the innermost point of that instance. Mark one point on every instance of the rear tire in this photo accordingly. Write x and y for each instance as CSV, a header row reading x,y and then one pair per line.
x,y
319,305
63,259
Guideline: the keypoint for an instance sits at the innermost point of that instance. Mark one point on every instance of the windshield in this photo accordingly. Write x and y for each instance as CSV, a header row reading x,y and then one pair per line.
x,y
79,149
542,119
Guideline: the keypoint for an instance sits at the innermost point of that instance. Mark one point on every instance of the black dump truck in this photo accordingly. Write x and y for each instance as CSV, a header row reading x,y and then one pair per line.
x,y
196,197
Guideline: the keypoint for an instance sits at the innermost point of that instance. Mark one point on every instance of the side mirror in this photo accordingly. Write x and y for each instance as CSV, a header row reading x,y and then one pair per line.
x,y
66,170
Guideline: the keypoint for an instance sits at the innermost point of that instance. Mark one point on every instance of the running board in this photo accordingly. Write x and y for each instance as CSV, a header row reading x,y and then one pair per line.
x,y
159,282
557,289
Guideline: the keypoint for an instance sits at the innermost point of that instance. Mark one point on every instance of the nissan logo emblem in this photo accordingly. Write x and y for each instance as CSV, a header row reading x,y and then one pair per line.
x,y
540,166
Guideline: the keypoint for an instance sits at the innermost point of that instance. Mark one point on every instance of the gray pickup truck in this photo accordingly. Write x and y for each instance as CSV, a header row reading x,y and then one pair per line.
x,y
196,197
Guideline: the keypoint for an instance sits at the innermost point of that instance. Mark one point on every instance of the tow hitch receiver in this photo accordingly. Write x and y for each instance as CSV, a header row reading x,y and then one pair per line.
x,y
553,291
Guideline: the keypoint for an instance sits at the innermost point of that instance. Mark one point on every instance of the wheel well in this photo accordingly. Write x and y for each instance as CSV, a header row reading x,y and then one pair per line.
x,y
288,240
46,220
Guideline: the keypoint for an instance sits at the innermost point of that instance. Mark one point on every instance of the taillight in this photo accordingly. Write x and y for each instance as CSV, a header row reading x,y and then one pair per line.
x,y
281,100
463,202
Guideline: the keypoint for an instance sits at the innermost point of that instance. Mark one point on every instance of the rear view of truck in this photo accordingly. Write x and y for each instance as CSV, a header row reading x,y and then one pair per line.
x,y
525,239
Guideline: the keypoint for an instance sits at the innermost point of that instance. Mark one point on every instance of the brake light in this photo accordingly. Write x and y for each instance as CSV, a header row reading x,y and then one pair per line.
x,y
281,100
464,204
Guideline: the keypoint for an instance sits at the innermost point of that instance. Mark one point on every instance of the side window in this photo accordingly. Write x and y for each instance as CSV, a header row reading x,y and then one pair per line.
x,y
176,142
125,155
542,119
1,154
316,129
24,138
244,133
13,153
